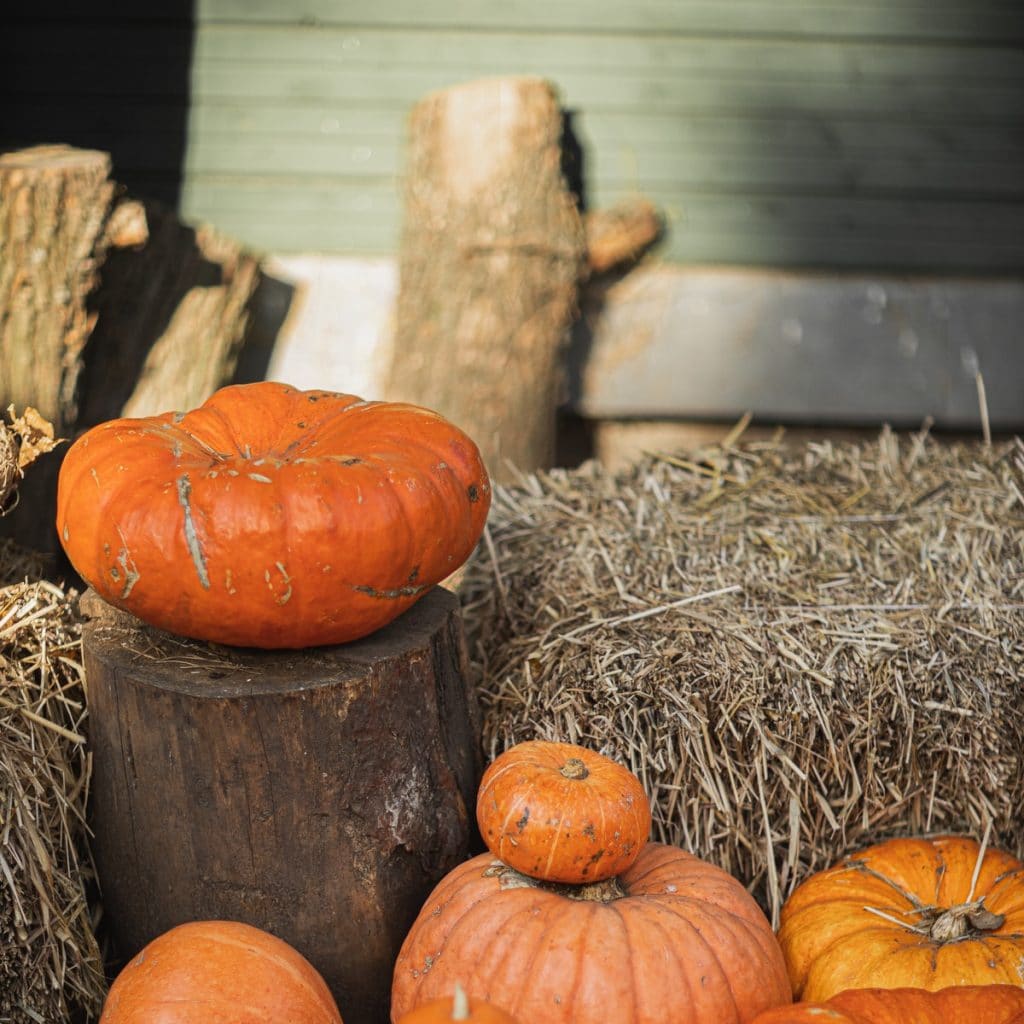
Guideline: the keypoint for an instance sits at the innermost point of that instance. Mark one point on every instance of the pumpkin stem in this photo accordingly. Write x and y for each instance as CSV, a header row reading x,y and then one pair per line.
x,y
956,922
460,1003
597,892
590,892
574,768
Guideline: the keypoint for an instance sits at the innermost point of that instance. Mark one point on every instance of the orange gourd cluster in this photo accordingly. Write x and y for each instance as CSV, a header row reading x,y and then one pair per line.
x,y
574,916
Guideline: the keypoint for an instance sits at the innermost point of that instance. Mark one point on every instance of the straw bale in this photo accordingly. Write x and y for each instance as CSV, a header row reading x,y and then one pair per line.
x,y
49,960
798,651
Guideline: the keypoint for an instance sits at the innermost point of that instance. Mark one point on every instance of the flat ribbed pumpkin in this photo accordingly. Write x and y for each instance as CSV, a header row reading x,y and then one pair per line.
x,y
272,517
219,972
672,939
917,913
561,812
962,1004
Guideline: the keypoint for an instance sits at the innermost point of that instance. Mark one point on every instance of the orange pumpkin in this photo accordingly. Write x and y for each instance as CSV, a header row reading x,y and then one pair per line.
x,y
673,938
219,972
920,913
458,1007
271,517
962,1004
562,813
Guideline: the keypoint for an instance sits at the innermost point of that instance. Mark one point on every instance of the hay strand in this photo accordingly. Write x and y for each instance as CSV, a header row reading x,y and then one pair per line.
x,y
798,651
49,960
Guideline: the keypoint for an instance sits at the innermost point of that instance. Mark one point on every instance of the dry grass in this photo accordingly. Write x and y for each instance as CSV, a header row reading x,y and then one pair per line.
x,y
797,651
49,960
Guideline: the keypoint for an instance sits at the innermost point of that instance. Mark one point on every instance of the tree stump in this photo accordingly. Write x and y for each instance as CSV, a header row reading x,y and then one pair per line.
x,y
317,794
491,251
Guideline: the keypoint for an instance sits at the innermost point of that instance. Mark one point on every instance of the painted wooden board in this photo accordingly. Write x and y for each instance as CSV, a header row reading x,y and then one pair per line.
x,y
791,231
882,134
828,348
914,19
736,154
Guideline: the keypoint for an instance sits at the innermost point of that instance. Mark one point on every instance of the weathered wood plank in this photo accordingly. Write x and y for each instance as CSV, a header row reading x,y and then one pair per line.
x,y
644,131
784,230
674,73
913,19
670,169
788,145
628,51
834,348
690,154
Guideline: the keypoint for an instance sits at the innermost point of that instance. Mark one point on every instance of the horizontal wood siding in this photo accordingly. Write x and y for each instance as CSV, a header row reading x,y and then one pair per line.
x,y
883,133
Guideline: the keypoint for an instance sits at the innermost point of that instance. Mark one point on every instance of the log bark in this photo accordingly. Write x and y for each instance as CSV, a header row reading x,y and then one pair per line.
x,y
54,205
318,794
620,233
108,307
491,251
172,317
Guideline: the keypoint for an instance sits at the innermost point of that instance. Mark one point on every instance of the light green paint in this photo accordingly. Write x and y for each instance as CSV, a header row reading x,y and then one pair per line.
x,y
883,133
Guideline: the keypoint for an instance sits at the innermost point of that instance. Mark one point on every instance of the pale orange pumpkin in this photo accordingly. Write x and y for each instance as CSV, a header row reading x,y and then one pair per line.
x,y
919,913
219,972
672,939
562,813
961,1004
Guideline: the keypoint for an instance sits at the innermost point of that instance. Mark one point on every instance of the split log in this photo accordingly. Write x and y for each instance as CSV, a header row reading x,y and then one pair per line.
x,y
620,233
54,205
317,794
172,317
108,307
491,253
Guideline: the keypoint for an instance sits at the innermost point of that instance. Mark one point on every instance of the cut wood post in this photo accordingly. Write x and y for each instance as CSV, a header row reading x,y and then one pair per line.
x,y
491,253
54,205
108,307
172,317
620,233
317,794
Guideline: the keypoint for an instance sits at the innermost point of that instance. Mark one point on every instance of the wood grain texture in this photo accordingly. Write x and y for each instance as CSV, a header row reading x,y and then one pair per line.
x,y
318,795
492,250
835,348
896,116
54,203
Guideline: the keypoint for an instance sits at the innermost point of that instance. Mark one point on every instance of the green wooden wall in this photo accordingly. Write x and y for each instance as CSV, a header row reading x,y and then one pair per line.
x,y
821,133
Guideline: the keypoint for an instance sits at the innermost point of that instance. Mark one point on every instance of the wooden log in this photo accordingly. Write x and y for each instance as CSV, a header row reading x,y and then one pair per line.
x,y
108,307
172,318
620,233
54,204
318,794
491,252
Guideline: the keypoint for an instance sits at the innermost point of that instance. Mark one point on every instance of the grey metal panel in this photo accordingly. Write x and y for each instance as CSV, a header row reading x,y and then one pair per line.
x,y
838,348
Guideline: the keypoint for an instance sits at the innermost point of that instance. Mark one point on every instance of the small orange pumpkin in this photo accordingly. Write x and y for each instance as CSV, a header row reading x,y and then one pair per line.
x,y
562,813
672,939
922,913
271,517
458,1007
961,1004
219,972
